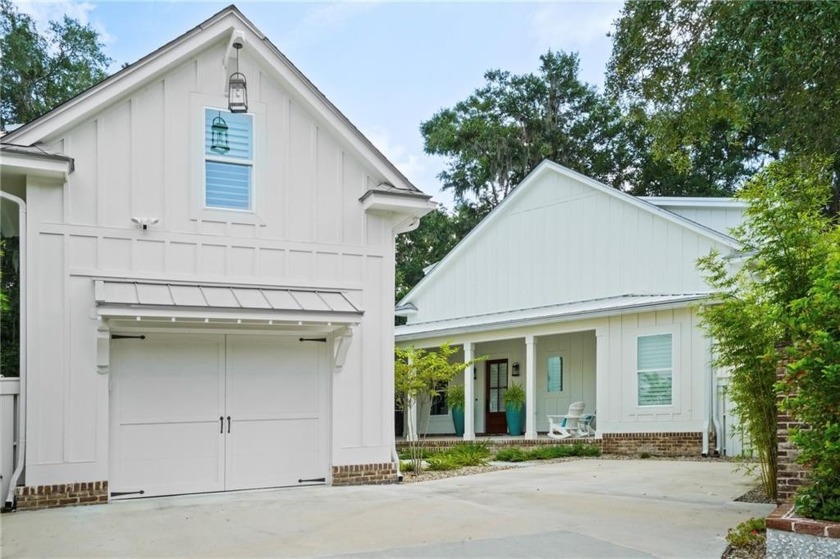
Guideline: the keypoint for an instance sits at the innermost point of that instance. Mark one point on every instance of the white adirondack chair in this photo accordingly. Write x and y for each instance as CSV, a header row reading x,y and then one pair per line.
x,y
565,426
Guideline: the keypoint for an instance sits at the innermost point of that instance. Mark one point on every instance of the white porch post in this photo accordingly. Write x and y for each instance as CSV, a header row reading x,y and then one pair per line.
x,y
602,352
469,393
530,387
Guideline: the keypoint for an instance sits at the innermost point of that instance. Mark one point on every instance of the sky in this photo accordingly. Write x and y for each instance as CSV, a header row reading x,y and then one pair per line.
x,y
388,66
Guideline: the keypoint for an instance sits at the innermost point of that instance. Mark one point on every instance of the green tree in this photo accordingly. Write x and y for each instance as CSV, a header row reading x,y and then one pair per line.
x,y
418,377
756,79
783,238
507,127
41,71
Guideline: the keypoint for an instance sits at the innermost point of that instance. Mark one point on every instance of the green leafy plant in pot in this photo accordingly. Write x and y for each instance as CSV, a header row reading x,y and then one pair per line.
x,y
455,401
515,409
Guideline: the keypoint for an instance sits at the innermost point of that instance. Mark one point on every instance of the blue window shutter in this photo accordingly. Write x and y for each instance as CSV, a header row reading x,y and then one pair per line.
x,y
228,185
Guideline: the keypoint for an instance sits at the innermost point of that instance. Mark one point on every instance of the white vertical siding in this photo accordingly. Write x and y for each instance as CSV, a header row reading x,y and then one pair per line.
x,y
562,241
142,157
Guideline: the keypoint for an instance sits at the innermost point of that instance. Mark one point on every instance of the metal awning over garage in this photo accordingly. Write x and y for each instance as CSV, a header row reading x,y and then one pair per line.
x,y
130,299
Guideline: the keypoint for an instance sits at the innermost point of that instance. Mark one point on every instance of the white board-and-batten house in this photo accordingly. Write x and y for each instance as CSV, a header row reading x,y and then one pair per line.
x,y
579,292
208,292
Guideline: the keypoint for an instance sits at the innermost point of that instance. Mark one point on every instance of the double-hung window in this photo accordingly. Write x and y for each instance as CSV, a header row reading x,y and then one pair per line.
x,y
654,367
228,160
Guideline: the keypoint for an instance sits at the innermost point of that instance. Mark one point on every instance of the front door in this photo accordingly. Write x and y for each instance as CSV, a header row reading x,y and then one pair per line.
x,y
497,381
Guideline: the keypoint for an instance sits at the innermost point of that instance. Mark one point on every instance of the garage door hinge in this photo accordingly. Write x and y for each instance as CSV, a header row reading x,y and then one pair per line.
x,y
124,337
322,340
313,480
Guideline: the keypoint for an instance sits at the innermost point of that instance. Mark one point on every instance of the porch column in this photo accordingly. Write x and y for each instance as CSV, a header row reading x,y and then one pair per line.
x,y
602,352
469,393
530,387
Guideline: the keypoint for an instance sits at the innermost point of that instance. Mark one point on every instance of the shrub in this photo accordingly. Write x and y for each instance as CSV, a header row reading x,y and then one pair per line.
x,y
443,461
469,454
547,452
813,379
747,533
422,454
644,455
511,455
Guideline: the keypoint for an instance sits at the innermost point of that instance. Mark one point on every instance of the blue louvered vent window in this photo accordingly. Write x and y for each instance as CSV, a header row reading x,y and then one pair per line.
x,y
655,370
228,165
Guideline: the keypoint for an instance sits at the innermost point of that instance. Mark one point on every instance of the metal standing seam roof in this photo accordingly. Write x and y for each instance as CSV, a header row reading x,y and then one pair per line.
x,y
147,294
552,313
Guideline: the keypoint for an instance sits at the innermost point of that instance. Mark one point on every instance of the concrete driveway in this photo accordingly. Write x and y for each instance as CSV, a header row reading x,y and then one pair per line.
x,y
587,508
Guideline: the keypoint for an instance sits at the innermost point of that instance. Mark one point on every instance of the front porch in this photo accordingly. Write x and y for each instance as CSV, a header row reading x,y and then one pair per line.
x,y
555,369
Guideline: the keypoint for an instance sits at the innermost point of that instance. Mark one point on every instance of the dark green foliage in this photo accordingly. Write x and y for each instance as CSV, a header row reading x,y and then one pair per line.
x,y
41,71
547,452
423,453
461,455
9,308
748,533
514,396
782,239
813,379
737,81
438,233
511,455
505,128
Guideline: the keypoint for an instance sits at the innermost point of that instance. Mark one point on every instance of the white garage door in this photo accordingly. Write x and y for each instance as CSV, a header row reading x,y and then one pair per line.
x,y
213,412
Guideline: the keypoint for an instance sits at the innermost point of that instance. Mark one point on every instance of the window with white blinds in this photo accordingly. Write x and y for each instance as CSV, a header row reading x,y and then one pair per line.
x,y
654,366
228,172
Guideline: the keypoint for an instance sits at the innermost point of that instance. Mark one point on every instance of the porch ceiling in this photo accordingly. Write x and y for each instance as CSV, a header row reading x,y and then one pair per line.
x,y
564,312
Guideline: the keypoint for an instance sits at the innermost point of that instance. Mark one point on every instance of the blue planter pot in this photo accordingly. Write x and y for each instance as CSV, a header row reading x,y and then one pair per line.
x,y
458,420
515,420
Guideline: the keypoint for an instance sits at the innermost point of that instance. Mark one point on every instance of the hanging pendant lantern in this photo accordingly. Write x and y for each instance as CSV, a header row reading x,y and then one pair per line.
x,y
219,136
237,87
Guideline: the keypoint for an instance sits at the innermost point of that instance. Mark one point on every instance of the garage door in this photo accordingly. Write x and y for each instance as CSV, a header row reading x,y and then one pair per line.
x,y
205,413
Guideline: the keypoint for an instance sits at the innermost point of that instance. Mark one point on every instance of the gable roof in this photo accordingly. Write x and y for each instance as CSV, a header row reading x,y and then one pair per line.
x,y
550,167
223,24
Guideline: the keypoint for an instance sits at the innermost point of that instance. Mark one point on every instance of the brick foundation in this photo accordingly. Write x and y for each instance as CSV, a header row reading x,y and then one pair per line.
x,y
791,537
364,474
790,475
61,495
655,444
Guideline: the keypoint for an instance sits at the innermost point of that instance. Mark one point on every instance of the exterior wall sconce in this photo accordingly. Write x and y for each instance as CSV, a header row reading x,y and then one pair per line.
x,y
237,87
516,369
219,136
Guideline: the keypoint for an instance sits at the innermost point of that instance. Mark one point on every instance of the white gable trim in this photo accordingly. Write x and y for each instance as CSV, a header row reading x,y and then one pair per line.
x,y
694,202
549,166
223,25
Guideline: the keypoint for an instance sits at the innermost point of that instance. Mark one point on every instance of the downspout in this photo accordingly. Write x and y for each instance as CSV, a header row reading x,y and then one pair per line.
x,y
21,446
396,459
707,406
720,434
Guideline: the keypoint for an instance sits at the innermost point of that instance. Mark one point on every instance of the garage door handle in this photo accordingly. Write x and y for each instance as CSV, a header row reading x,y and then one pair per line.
x,y
228,418
221,424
